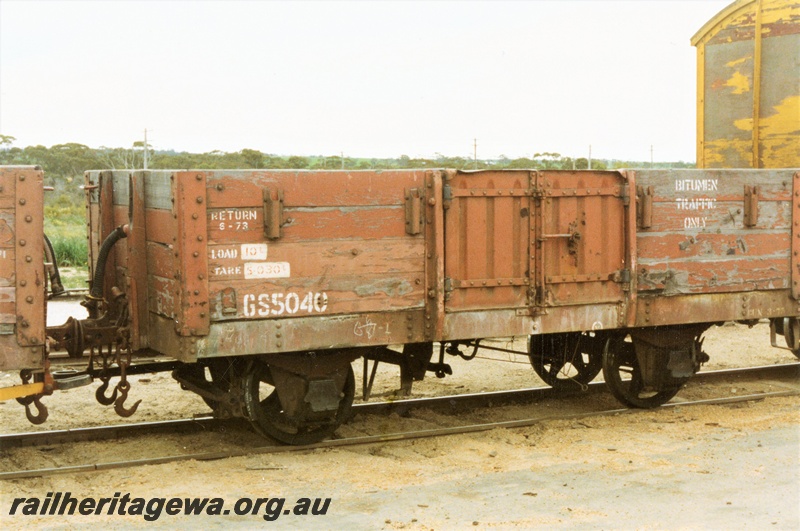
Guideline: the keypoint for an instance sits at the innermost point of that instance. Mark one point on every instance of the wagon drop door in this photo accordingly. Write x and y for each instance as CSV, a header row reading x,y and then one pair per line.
x,y
488,241
581,238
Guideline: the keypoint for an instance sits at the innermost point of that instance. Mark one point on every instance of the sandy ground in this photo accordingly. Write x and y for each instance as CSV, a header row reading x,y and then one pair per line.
x,y
711,467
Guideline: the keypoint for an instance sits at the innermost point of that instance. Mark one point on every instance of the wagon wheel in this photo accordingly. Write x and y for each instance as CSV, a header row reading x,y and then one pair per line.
x,y
268,418
624,377
789,332
561,360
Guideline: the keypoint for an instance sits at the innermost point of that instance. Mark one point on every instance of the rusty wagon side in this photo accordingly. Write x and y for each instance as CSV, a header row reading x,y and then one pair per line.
x,y
244,262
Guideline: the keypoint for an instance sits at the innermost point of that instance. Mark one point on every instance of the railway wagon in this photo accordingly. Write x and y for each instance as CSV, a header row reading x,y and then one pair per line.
x,y
748,86
264,286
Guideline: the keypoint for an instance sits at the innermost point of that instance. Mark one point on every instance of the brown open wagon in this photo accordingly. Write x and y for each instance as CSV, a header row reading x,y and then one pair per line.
x,y
263,286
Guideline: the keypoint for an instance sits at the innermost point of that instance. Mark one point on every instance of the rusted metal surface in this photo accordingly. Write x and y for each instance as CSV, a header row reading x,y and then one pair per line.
x,y
435,205
796,236
30,276
748,97
191,254
22,273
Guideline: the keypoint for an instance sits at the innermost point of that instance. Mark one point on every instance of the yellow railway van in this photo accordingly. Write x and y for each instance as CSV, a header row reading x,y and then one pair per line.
x,y
748,86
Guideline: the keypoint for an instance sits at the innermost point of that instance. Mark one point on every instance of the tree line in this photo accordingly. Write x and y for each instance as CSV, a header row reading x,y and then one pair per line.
x,y
69,161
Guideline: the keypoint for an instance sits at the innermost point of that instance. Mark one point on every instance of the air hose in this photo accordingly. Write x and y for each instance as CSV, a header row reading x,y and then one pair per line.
x,y
117,234
56,287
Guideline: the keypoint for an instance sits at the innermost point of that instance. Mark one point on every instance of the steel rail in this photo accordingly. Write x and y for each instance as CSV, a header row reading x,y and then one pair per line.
x,y
447,403
371,439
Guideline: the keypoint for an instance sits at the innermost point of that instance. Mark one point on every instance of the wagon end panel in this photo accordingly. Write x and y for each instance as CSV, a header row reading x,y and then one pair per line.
x,y
22,273
115,198
173,205
304,260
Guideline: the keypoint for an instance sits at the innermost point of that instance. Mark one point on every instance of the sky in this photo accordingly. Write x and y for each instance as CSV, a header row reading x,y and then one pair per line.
x,y
366,79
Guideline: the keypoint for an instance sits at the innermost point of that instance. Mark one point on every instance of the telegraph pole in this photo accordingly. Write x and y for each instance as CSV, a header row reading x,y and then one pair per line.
x,y
475,152
590,156
651,156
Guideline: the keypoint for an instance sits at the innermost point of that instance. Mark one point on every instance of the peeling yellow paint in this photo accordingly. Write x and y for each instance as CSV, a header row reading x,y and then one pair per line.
x,y
737,62
768,136
718,152
741,13
745,124
780,135
777,10
785,119
739,82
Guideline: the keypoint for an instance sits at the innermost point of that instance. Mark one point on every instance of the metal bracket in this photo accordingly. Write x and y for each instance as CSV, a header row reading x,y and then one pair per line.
x,y
622,276
751,205
447,192
29,257
228,301
414,217
273,213
795,263
644,207
193,233
448,288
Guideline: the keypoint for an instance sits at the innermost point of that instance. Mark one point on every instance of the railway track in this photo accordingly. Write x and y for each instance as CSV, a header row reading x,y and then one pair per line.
x,y
784,376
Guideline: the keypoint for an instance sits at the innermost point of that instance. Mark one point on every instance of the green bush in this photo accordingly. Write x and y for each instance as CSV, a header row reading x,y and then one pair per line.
x,y
65,225
70,251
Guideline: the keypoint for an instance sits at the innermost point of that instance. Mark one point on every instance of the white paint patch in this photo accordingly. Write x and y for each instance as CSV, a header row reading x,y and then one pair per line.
x,y
266,270
254,251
